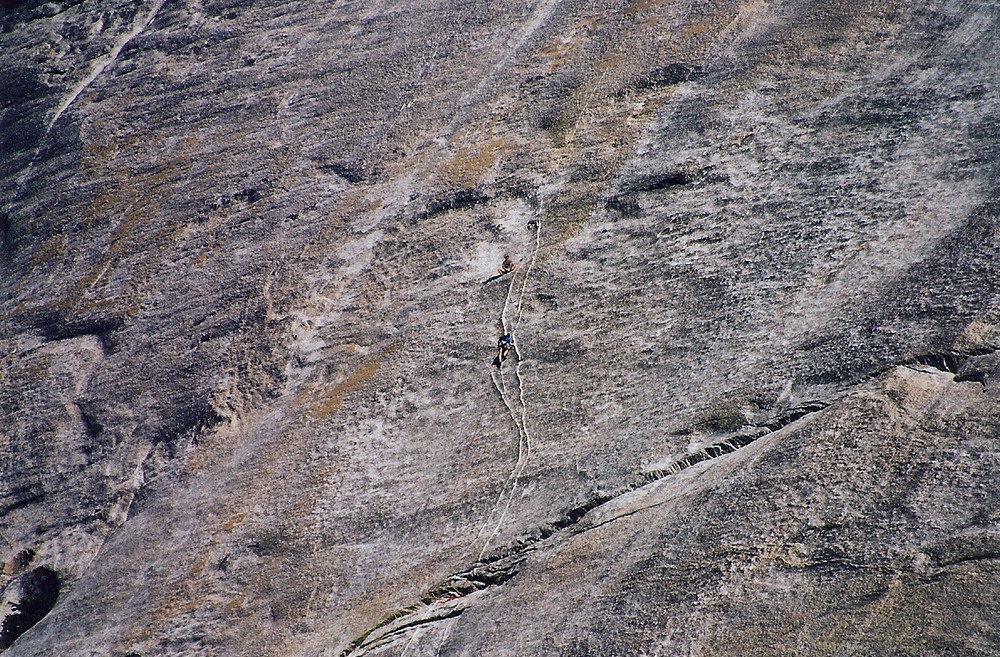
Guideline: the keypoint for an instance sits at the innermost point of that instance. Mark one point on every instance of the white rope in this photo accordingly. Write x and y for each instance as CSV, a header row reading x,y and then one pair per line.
x,y
524,438
514,474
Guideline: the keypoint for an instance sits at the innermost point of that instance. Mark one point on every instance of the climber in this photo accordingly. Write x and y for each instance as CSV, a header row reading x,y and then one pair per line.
x,y
506,266
504,345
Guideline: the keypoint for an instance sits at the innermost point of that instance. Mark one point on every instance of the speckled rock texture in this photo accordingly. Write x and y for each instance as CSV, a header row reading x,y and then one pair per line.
x,y
248,262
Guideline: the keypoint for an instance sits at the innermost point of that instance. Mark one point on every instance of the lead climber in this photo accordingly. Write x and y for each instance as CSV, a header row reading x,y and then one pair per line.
x,y
504,345
506,266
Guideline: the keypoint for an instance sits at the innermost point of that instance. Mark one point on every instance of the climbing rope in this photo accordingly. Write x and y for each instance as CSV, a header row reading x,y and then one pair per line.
x,y
524,437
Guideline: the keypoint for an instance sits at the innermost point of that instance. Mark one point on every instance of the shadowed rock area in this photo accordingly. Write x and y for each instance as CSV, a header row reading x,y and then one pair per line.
x,y
248,262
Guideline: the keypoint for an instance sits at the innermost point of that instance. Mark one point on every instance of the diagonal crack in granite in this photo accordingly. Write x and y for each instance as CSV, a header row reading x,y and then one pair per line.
x,y
452,596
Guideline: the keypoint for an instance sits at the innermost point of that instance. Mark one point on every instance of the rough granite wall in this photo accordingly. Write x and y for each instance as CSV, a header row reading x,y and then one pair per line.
x,y
247,260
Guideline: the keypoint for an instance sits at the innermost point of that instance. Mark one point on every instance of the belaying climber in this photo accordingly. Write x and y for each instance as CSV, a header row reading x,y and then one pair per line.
x,y
506,266
504,345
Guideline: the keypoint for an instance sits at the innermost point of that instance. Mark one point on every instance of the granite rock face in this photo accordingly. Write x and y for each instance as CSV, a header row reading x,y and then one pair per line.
x,y
248,258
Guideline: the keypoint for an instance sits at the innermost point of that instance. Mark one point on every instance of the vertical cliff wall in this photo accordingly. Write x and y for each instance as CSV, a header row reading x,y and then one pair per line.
x,y
249,303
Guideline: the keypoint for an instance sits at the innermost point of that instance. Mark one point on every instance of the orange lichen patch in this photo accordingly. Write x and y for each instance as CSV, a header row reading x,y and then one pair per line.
x,y
129,207
235,520
48,250
697,28
98,154
469,165
558,50
637,6
356,379
329,404
172,608
611,61
557,53
37,369
136,191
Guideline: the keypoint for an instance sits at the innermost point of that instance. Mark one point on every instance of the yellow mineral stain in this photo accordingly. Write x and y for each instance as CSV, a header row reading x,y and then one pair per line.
x,y
48,250
235,520
641,5
359,377
174,606
697,28
471,163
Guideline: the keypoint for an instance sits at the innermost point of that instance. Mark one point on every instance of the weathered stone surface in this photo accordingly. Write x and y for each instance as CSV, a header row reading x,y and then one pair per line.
x,y
248,256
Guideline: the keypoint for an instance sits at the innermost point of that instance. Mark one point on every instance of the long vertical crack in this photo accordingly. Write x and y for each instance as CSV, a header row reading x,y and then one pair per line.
x,y
524,437
514,473
501,389
511,480
527,273
523,452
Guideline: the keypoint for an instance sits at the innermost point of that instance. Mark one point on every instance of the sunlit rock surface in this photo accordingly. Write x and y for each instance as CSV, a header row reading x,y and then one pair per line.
x,y
250,299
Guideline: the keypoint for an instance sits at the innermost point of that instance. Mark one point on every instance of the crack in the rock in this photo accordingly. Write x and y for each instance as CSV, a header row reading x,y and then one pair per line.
x,y
737,441
796,413
482,575
669,75
501,391
986,556
626,514
658,182
431,606
946,361
463,199
512,477
949,361
22,496
626,200
963,365
955,550
56,327
350,172
91,425
727,446
977,365
6,234
524,437
503,564
391,635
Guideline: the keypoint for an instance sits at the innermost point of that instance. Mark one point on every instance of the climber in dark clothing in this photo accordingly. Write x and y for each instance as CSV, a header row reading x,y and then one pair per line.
x,y
504,345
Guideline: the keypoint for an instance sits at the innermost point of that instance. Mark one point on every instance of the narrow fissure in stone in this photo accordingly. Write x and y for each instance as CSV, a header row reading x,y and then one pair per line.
x,y
948,361
504,564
